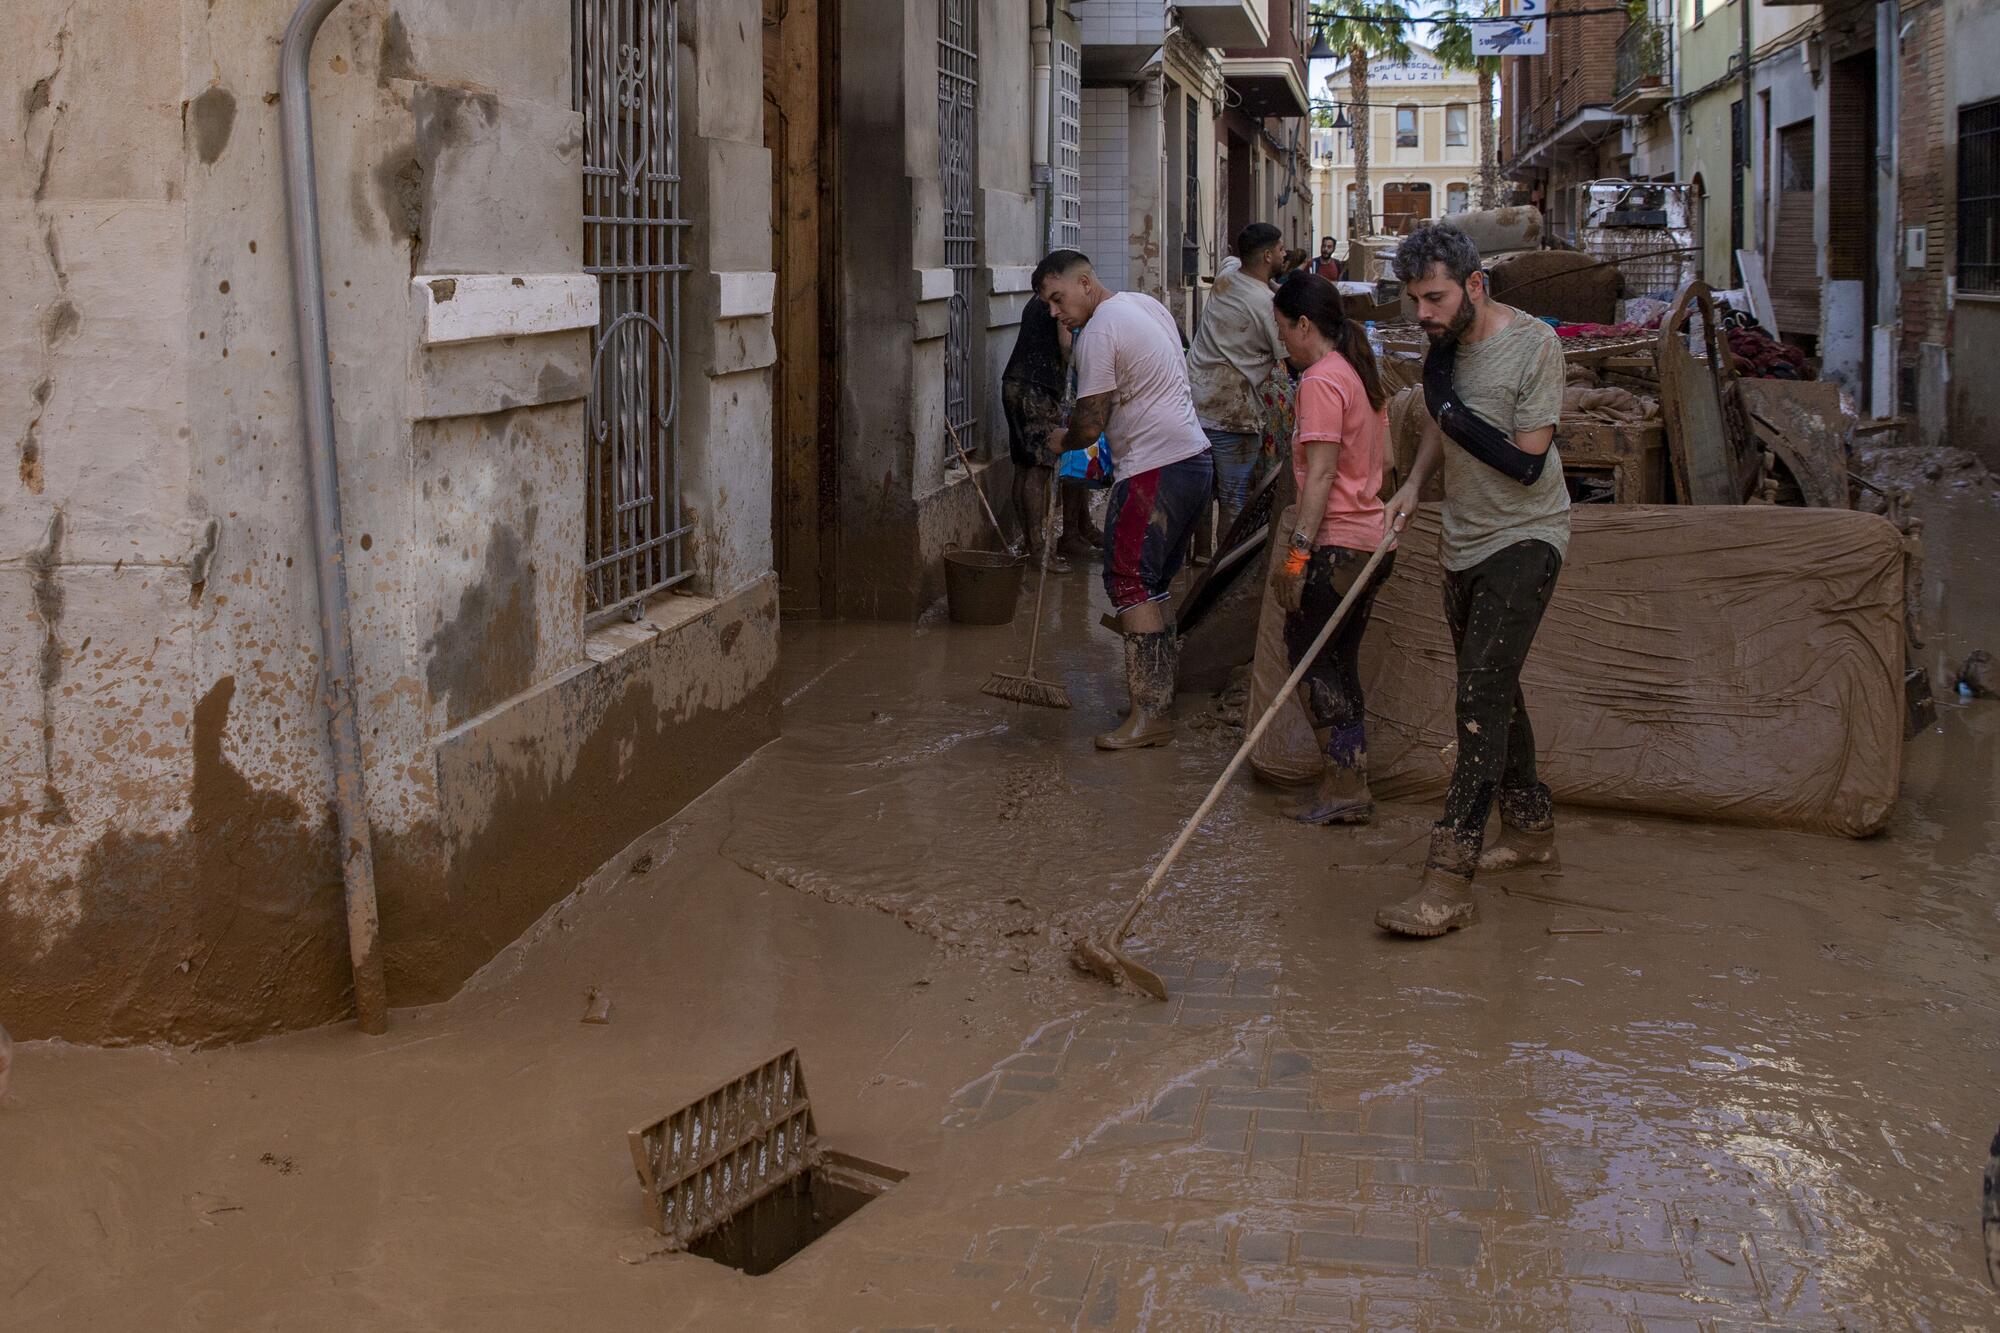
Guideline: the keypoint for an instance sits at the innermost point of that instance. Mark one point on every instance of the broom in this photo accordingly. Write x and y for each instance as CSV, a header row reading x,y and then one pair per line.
x,y
1030,688
1104,958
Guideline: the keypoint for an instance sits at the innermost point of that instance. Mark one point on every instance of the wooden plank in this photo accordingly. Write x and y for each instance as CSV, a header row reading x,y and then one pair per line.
x,y
1752,266
1711,464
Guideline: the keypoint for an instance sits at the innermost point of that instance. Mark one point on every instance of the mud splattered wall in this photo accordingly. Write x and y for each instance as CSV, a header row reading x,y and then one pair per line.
x,y
899,506
166,867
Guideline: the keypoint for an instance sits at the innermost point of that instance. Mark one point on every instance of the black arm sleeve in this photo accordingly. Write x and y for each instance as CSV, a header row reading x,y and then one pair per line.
x,y
1470,431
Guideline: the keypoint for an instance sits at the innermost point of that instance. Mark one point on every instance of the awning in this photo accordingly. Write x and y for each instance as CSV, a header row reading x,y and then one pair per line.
x,y
1587,126
1267,85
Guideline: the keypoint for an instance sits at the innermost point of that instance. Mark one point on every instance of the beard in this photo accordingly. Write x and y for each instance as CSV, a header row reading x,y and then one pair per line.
x,y
1460,322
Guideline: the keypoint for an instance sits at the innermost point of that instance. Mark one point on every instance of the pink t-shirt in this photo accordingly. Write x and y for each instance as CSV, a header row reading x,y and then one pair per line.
x,y
1333,406
1131,348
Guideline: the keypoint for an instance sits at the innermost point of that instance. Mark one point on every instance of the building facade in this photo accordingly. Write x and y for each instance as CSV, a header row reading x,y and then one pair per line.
x,y
1969,249
1853,158
1193,125
640,342
1423,162
1266,129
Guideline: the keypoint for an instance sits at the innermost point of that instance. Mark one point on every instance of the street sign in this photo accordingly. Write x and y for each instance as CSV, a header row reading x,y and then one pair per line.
x,y
1524,32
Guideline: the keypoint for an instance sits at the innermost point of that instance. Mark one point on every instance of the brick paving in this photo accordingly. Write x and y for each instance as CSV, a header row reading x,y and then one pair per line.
x,y
1258,1186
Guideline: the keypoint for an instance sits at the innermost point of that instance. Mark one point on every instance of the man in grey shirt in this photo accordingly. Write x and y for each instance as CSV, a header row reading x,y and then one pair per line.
x,y
1494,384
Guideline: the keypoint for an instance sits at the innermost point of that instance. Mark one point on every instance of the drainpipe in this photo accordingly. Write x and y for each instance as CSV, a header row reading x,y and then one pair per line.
x,y
350,801
1886,391
1041,40
1747,91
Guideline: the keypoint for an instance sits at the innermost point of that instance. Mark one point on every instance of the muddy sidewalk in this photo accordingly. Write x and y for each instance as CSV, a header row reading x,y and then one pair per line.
x,y
1704,1078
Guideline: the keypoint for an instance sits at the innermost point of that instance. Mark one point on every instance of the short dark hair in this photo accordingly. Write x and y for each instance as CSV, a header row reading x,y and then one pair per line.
x,y
1056,264
1435,243
1325,239
1255,237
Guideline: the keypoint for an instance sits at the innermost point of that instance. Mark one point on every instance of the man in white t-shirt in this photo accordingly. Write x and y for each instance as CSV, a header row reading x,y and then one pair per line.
x,y
1132,388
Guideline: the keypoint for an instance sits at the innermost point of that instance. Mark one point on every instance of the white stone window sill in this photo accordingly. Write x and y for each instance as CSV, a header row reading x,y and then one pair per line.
x,y
469,307
663,616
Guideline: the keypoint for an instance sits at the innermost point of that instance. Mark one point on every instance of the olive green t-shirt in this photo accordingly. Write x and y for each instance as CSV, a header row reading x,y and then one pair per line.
x,y
1514,379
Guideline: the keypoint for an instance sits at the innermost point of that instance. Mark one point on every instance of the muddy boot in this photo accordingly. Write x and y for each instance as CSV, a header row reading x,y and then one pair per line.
x,y
1150,661
1527,838
1342,795
1443,901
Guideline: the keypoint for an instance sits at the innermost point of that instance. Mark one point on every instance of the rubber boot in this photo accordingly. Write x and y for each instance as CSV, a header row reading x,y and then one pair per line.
x,y
1150,663
1527,839
1342,795
1443,901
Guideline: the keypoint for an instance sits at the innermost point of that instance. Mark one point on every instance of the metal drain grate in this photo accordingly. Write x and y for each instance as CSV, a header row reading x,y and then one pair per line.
x,y
721,1153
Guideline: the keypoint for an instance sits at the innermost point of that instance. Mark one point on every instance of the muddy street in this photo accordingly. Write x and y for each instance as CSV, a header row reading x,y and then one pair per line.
x,y
1702,1077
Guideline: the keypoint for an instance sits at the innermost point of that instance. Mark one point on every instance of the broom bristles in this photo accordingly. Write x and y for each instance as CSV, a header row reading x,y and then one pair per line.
x,y
1026,690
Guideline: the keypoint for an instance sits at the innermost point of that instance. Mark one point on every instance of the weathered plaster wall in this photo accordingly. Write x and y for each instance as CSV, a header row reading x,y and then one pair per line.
x,y
726,428
898,507
1009,226
1145,127
166,862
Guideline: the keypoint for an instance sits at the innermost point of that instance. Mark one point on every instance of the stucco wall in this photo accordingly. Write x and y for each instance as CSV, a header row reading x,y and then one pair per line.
x,y
166,859
899,507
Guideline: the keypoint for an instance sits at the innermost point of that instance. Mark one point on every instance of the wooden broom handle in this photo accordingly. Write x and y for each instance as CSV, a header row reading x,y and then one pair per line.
x,y
1257,732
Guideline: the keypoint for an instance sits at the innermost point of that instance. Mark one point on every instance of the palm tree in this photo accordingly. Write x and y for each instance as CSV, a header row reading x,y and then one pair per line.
x,y
1365,30
1452,34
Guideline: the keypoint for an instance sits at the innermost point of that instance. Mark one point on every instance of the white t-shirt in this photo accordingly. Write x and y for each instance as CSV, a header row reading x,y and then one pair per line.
x,y
1131,349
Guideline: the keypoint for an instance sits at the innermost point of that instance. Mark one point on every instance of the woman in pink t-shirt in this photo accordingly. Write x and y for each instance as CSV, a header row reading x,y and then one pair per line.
x,y
1337,459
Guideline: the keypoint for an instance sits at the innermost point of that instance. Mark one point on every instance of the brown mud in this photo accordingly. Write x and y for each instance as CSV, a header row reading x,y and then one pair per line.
x,y
1703,1076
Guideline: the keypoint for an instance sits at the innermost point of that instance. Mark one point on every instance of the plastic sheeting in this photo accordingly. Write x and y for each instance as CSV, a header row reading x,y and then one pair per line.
x,y
1722,663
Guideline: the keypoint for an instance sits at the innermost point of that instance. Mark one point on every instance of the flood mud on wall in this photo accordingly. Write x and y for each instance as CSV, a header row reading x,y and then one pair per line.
x,y
167,859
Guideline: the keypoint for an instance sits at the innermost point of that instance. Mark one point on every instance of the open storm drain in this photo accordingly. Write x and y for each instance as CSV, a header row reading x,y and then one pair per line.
x,y
740,1176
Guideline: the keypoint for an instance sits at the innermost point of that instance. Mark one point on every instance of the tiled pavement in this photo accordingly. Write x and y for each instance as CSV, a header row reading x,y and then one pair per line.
x,y
1262,1184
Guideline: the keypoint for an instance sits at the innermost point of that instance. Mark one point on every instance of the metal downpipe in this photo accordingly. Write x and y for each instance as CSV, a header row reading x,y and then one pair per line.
x,y
350,800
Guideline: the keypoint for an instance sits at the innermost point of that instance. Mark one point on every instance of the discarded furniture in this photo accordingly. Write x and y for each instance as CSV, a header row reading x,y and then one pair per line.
x,y
1630,456
1711,464
1645,227
1804,425
1726,663
1559,284
1500,231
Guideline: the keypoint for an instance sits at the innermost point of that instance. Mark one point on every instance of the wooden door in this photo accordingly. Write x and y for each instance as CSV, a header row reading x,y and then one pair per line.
x,y
795,122
1794,274
1404,205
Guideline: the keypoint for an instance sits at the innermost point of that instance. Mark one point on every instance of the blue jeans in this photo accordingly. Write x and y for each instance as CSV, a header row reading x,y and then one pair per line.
x,y
1236,454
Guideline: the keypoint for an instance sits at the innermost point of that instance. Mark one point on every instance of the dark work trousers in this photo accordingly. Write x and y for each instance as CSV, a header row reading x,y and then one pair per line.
x,y
1494,609
1332,686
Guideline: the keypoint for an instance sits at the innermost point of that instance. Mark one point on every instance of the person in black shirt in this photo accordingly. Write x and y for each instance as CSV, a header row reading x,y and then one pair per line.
x,y
1031,391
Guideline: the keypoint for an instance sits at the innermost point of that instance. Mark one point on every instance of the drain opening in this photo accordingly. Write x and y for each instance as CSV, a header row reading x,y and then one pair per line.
x,y
740,1176
781,1224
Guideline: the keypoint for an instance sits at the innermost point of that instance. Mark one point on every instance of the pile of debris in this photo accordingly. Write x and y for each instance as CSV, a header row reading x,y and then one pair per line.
x,y
1692,405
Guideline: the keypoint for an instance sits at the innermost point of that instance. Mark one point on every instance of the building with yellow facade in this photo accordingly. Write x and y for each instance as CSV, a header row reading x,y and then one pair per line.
x,y
1423,160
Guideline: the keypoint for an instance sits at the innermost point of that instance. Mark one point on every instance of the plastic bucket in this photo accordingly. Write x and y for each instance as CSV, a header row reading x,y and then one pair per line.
x,y
982,587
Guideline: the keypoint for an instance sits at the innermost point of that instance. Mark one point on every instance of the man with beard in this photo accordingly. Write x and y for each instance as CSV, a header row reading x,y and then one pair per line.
x,y
1326,266
1493,382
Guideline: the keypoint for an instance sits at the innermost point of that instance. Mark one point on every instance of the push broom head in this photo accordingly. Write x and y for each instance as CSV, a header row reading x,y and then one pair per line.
x,y
1026,690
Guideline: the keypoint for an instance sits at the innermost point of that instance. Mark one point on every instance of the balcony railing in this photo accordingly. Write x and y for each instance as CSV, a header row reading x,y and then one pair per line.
x,y
1642,60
